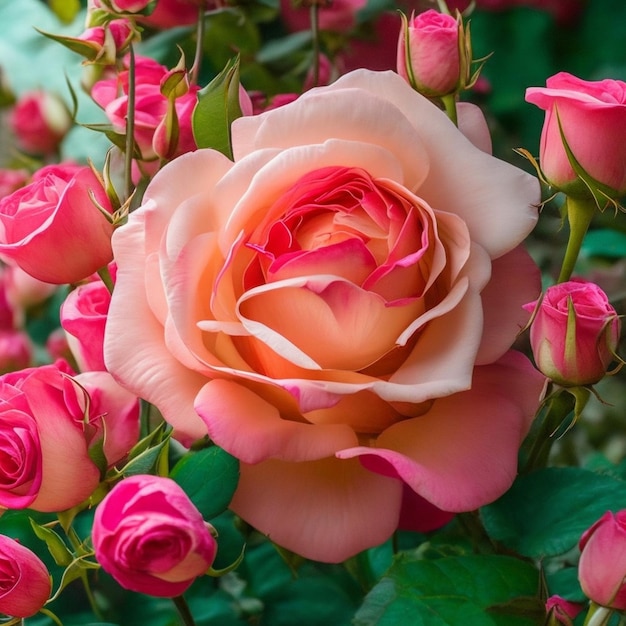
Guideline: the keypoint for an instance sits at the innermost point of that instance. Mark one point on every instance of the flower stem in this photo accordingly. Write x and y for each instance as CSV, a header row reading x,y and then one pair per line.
x,y
195,68
315,33
130,124
579,215
183,610
598,615
449,103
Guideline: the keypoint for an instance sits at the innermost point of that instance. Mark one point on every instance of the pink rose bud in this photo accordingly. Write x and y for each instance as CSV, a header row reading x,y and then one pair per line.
x,y
130,6
57,211
590,117
40,120
150,537
429,56
561,611
10,180
25,583
16,350
602,565
575,333
104,44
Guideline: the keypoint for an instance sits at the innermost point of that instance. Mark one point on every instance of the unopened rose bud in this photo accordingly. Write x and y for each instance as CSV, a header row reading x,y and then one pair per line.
x,y
40,121
574,334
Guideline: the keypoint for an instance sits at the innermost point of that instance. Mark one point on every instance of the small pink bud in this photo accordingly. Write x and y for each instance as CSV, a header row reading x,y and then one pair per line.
x,y
16,350
575,333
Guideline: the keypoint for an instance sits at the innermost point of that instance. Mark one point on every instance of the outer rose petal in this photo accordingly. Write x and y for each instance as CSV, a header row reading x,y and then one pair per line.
x,y
459,455
325,510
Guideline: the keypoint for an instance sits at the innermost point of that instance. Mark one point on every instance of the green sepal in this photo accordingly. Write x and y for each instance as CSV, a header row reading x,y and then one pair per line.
x,y
217,108
90,51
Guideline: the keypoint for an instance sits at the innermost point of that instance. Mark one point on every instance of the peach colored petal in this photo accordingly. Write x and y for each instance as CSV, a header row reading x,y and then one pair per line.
x,y
326,510
462,454
252,430
148,369
464,180
473,125
515,281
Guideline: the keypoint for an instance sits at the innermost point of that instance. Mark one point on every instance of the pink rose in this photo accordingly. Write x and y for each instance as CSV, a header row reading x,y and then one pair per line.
x,y
53,213
149,536
171,13
602,565
592,115
16,350
129,6
428,53
575,333
39,121
150,106
339,15
25,583
23,291
83,317
563,611
10,180
106,43
336,308
50,468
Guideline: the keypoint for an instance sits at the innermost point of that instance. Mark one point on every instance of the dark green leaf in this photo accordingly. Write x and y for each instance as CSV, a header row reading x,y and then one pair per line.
x,y
545,512
209,477
474,590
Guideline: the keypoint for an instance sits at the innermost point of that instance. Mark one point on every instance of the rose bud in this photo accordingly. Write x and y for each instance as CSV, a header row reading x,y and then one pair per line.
x,y
575,333
40,120
588,118
24,580
150,538
602,565
561,612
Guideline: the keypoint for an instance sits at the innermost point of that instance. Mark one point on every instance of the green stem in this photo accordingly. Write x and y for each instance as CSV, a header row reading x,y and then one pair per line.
x,y
130,124
48,613
579,215
473,527
360,568
183,610
598,615
195,68
315,33
537,445
449,103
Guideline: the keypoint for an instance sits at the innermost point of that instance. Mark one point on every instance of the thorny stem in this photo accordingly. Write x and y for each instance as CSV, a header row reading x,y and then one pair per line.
x,y
130,124
195,68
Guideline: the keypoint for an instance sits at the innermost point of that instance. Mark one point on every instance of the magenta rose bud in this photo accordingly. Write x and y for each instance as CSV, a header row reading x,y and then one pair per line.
x,y
602,565
39,121
592,118
561,611
428,53
56,212
24,580
150,538
575,333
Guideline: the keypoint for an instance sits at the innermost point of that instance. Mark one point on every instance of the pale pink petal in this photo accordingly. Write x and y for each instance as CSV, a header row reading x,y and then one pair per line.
x,y
134,348
326,510
462,454
252,429
473,125
515,281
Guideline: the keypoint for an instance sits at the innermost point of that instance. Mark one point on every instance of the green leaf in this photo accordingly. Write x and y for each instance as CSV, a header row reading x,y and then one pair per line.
x,y
56,546
209,477
545,512
604,242
474,590
217,108
144,461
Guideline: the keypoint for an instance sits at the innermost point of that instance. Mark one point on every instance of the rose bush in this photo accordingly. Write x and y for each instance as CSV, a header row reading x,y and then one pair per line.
x,y
336,307
150,537
592,117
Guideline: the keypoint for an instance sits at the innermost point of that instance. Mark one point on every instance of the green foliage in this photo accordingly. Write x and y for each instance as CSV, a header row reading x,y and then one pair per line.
x,y
477,590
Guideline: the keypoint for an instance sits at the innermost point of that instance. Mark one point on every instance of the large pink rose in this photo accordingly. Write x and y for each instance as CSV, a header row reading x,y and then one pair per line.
x,y
336,307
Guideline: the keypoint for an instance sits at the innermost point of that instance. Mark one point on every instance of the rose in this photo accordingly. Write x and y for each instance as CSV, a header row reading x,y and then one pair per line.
x,y
602,564
83,317
337,16
428,53
575,333
16,350
150,105
40,121
45,463
24,580
10,180
171,13
592,118
348,288
54,213
150,537
562,611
